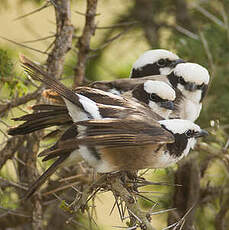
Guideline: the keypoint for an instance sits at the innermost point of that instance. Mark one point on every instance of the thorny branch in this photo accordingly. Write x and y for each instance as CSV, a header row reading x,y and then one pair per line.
x,y
10,148
27,146
63,41
19,101
84,42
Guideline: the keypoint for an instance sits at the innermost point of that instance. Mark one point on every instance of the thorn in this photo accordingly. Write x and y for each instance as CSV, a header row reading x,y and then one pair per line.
x,y
19,44
32,12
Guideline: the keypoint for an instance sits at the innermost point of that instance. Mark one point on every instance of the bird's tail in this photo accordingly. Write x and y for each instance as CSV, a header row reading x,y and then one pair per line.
x,y
42,179
44,116
38,73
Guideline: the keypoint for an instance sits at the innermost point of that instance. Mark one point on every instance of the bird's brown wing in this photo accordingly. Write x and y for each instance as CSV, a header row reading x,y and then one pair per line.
x,y
125,84
123,132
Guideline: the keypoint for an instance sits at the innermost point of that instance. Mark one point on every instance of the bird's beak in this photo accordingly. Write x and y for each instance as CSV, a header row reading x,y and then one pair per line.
x,y
190,86
202,133
167,105
175,62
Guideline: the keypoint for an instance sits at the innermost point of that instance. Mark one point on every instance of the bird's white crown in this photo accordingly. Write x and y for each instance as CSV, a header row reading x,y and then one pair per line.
x,y
192,72
179,126
152,56
161,89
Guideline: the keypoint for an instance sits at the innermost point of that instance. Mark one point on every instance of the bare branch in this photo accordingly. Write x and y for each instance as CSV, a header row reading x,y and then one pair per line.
x,y
63,41
84,42
208,15
6,183
39,39
19,101
10,148
33,12
20,44
186,32
207,51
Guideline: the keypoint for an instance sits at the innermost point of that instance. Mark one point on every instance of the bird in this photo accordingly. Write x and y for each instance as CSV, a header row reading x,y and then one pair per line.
x,y
189,80
131,143
150,63
159,96
154,62
192,80
129,137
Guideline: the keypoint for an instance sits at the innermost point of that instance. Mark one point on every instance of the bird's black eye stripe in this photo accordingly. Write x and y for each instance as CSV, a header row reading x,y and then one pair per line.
x,y
189,133
156,98
182,81
163,62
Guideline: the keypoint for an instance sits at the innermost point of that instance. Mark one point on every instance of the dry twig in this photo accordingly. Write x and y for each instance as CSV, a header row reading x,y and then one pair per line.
x,y
84,42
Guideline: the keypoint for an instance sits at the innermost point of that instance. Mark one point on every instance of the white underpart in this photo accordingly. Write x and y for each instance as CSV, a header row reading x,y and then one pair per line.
x,y
191,144
73,158
193,96
165,113
165,71
99,165
191,110
192,72
165,160
152,56
161,89
190,107
180,126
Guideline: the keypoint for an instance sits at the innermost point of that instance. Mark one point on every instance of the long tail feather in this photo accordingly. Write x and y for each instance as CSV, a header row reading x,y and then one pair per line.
x,y
38,73
44,116
41,123
42,179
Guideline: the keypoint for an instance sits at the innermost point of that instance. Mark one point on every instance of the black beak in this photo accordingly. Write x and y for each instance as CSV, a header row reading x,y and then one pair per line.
x,y
167,105
202,133
174,63
190,86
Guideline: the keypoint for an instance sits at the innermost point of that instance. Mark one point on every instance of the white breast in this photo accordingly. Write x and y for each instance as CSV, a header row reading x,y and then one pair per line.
x,y
99,165
191,110
165,160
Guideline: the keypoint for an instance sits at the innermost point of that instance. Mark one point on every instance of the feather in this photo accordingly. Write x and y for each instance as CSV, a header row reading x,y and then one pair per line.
x,y
38,73
42,179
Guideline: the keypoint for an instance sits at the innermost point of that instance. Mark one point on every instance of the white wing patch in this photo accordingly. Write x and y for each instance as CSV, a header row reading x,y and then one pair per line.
x,y
90,106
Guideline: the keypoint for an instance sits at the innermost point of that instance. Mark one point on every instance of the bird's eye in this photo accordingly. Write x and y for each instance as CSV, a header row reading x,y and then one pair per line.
x,y
189,133
181,81
153,97
161,63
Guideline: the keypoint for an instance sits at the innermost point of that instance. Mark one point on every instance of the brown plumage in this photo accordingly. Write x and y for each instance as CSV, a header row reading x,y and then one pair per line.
x,y
120,135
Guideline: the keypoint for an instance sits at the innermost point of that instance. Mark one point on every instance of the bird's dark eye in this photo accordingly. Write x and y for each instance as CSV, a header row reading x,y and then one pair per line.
x,y
181,80
161,63
153,97
189,133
